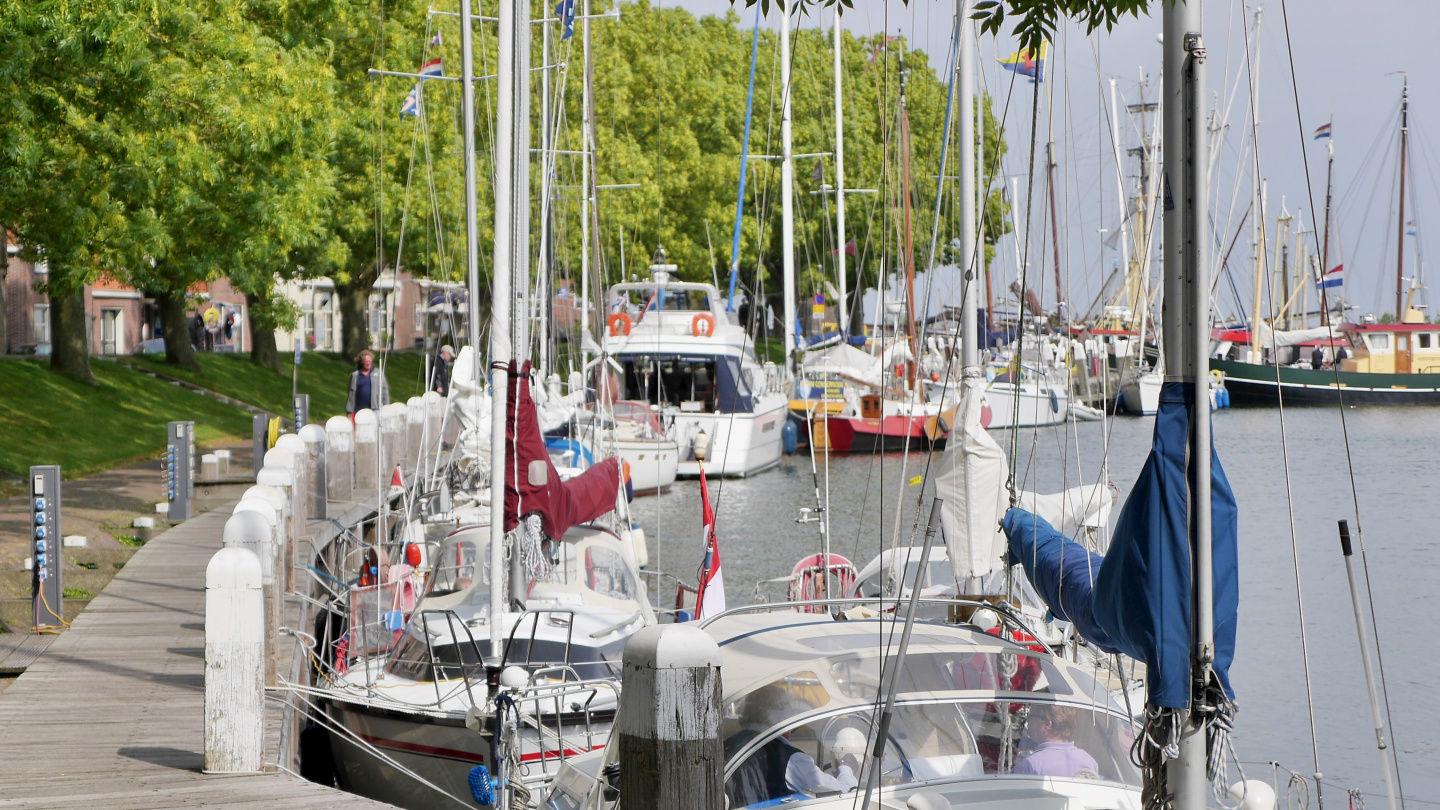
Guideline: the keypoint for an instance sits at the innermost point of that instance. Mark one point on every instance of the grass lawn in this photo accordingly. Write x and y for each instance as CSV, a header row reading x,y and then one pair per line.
x,y
47,418
323,375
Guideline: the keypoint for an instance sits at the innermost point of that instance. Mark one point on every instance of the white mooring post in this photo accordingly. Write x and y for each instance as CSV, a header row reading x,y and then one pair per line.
x,y
252,527
669,723
339,458
234,663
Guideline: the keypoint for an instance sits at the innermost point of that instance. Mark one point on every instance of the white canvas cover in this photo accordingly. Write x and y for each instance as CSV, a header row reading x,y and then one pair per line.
x,y
1291,337
971,477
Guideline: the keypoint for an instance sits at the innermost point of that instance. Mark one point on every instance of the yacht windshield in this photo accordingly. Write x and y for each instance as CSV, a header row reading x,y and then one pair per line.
x,y
648,299
928,740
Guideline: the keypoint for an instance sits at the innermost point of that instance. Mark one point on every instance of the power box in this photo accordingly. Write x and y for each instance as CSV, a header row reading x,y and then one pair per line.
x,y
180,464
302,411
48,601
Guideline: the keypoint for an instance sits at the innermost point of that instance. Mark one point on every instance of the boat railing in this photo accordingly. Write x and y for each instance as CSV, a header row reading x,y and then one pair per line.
x,y
465,669
534,614
885,604
562,714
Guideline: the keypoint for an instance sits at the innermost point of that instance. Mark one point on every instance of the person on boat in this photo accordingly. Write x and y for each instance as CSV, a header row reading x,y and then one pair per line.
x,y
440,371
1340,354
367,385
1317,358
1052,727
779,768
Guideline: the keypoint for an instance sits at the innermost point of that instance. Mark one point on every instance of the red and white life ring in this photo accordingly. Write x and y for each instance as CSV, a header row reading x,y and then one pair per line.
x,y
702,325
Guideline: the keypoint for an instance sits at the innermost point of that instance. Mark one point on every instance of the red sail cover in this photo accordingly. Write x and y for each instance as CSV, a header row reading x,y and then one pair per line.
x,y
528,490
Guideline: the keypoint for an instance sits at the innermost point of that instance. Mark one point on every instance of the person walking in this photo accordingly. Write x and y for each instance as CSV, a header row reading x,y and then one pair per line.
x,y
440,371
367,385
1317,358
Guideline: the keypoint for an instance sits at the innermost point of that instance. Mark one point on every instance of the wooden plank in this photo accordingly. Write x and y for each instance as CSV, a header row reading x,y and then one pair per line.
x,y
112,714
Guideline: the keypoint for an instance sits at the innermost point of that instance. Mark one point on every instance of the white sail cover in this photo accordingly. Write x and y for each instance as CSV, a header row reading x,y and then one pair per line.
x,y
1290,337
971,479
470,406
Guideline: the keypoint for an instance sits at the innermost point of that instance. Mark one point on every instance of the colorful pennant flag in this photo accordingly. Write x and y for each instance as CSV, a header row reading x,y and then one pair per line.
x,y
1025,63
565,10
711,598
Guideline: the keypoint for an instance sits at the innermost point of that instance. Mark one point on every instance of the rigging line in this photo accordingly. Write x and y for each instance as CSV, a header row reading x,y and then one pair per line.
x,y
1024,280
1349,461
1284,443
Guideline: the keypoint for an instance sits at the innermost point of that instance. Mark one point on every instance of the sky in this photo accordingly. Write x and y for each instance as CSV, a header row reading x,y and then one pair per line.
x,y
1346,64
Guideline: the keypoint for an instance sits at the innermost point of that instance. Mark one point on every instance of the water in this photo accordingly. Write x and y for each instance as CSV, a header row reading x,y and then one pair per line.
x,y
1396,454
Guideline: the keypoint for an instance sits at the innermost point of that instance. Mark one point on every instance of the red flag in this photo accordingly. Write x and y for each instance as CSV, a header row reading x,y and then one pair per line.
x,y
711,598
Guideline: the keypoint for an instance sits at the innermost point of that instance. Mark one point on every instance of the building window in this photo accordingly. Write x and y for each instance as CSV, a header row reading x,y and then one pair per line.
x,y
111,334
419,319
42,323
42,267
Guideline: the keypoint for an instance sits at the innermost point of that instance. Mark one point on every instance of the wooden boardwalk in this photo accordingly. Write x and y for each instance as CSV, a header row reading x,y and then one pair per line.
x,y
110,716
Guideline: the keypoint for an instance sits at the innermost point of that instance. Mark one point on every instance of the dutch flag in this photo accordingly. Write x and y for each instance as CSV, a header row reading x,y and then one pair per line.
x,y
1333,277
435,67
711,598
1323,131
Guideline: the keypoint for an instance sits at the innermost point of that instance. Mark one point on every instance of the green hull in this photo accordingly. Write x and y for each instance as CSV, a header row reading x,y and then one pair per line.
x,y
1252,385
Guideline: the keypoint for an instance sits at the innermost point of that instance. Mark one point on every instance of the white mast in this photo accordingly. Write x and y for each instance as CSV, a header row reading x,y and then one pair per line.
x,y
1120,183
1187,339
840,182
512,262
787,190
969,244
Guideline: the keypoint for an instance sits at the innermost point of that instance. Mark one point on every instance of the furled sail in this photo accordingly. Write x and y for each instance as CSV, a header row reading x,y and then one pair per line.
x,y
971,477
532,485
1138,598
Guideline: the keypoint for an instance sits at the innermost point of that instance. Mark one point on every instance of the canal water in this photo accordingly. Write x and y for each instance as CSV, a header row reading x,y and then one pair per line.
x,y
1395,456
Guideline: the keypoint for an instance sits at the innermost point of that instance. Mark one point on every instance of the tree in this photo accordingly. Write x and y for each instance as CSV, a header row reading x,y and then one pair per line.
x,y
161,145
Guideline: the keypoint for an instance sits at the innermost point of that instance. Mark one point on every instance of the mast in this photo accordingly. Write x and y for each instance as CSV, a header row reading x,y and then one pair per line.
x,y
586,195
1054,221
1186,308
971,246
1257,222
1400,224
909,227
1121,197
787,191
1325,237
840,241
744,165
512,261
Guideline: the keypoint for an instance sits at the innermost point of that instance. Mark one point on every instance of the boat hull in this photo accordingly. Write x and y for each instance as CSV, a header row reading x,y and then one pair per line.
x,y
1257,386
741,444
439,749
653,464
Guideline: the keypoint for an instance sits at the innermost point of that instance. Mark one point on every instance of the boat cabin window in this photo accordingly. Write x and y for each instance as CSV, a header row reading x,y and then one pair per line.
x,y
457,566
1378,341
664,299
595,566
859,678
929,740
684,383
1422,340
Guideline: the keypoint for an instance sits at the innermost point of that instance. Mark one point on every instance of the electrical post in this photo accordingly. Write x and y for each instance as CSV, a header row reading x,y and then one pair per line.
x,y
47,600
302,409
180,469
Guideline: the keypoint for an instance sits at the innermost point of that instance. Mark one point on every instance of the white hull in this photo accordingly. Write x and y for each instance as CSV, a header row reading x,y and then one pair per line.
x,y
740,443
1141,396
439,749
1036,406
653,464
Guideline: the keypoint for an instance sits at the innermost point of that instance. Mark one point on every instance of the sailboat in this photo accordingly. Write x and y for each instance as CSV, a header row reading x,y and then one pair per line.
x,y
1387,364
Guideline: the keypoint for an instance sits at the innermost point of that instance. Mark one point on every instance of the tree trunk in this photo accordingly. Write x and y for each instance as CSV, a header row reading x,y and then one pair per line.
x,y
70,335
354,317
263,351
4,306
178,350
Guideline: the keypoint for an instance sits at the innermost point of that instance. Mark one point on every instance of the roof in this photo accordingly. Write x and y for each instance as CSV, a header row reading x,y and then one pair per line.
x,y
1388,327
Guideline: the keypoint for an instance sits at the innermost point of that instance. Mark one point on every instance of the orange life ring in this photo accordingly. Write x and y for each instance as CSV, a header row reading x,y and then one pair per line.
x,y
619,324
705,318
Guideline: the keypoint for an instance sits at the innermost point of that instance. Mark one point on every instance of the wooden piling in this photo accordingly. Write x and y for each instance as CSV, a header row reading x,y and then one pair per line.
x,y
668,727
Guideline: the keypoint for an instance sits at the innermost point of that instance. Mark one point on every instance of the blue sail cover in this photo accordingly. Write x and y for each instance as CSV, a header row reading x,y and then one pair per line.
x,y
1140,596
1062,571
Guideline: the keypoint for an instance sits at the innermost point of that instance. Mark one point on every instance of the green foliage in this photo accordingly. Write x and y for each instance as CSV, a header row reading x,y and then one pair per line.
x,y
1036,20
87,428
78,593
670,108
